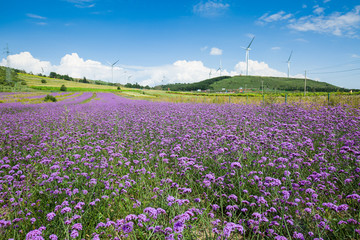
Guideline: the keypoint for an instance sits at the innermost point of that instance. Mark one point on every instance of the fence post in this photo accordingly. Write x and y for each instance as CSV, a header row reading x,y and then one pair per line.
x,y
229,99
247,97
328,98
263,98
285,98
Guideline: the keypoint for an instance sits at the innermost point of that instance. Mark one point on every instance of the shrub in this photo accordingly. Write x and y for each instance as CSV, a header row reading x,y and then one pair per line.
x,y
50,98
43,81
118,88
63,88
23,83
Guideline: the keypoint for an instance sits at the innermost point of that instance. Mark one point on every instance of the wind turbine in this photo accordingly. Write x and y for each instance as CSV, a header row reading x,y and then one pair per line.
x,y
210,74
220,68
247,55
112,70
288,62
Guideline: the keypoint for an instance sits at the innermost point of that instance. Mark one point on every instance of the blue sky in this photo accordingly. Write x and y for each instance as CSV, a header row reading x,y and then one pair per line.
x,y
183,41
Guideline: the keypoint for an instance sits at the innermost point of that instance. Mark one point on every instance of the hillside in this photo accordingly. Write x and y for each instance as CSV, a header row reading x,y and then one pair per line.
x,y
254,83
34,82
8,74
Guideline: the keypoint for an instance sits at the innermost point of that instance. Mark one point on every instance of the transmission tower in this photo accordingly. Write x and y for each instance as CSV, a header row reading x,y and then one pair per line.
x,y
8,71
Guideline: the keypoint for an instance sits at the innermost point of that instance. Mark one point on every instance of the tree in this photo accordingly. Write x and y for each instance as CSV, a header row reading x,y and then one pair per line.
x,y
53,74
63,88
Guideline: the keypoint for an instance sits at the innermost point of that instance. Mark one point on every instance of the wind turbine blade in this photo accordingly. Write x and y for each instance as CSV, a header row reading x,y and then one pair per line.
x,y
290,56
115,62
108,63
251,42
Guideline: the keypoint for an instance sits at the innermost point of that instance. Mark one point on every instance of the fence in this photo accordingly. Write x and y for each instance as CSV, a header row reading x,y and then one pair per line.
x,y
267,99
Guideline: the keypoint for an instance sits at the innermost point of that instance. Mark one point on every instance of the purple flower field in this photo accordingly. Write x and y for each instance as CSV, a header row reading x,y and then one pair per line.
x,y
116,168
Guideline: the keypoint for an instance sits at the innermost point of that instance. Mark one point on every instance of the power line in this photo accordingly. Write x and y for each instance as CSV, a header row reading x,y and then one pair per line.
x,y
340,71
333,66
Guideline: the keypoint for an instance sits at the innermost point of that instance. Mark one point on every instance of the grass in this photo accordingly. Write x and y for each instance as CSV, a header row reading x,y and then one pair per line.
x,y
55,84
253,83
89,99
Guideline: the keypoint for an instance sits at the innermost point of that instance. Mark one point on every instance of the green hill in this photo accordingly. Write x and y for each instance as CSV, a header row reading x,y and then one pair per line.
x,y
8,77
254,83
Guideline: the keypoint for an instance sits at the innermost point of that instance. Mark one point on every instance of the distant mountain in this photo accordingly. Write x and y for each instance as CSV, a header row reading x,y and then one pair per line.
x,y
254,83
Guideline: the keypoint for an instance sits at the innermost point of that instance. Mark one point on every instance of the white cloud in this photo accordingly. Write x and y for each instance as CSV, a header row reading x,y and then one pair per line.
x,y
85,6
25,61
75,66
30,15
250,35
339,24
266,18
318,10
301,40
181,71
204,48
82,3
211,8
258,69
216,51
326,1
275,48
355,56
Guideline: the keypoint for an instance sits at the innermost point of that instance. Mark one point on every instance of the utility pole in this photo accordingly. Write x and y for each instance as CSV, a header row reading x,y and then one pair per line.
x,y
305,85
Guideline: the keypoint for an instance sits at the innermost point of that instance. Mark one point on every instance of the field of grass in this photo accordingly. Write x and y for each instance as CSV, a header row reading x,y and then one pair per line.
x,y
268,99
55,84
101,166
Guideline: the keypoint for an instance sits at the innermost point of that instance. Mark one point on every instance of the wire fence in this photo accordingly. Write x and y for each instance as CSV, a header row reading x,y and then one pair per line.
x,y
266,99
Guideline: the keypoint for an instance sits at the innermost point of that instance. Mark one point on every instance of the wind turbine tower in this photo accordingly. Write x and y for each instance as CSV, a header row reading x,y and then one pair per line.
x,y
288,63
247,49
220,68
210,74
112,70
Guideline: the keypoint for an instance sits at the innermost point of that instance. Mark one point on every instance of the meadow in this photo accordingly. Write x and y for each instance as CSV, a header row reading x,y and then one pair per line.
x,y
102,166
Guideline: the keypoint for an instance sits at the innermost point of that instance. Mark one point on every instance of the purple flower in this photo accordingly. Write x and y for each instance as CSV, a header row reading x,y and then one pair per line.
x,y
79,205
53,237
74,234
215,207
151,211
233,197
50,216
308,210
297,235
179,226
286,195
127,227
65,210
235,164
170,199
77,226
342,207
34,235
130,217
